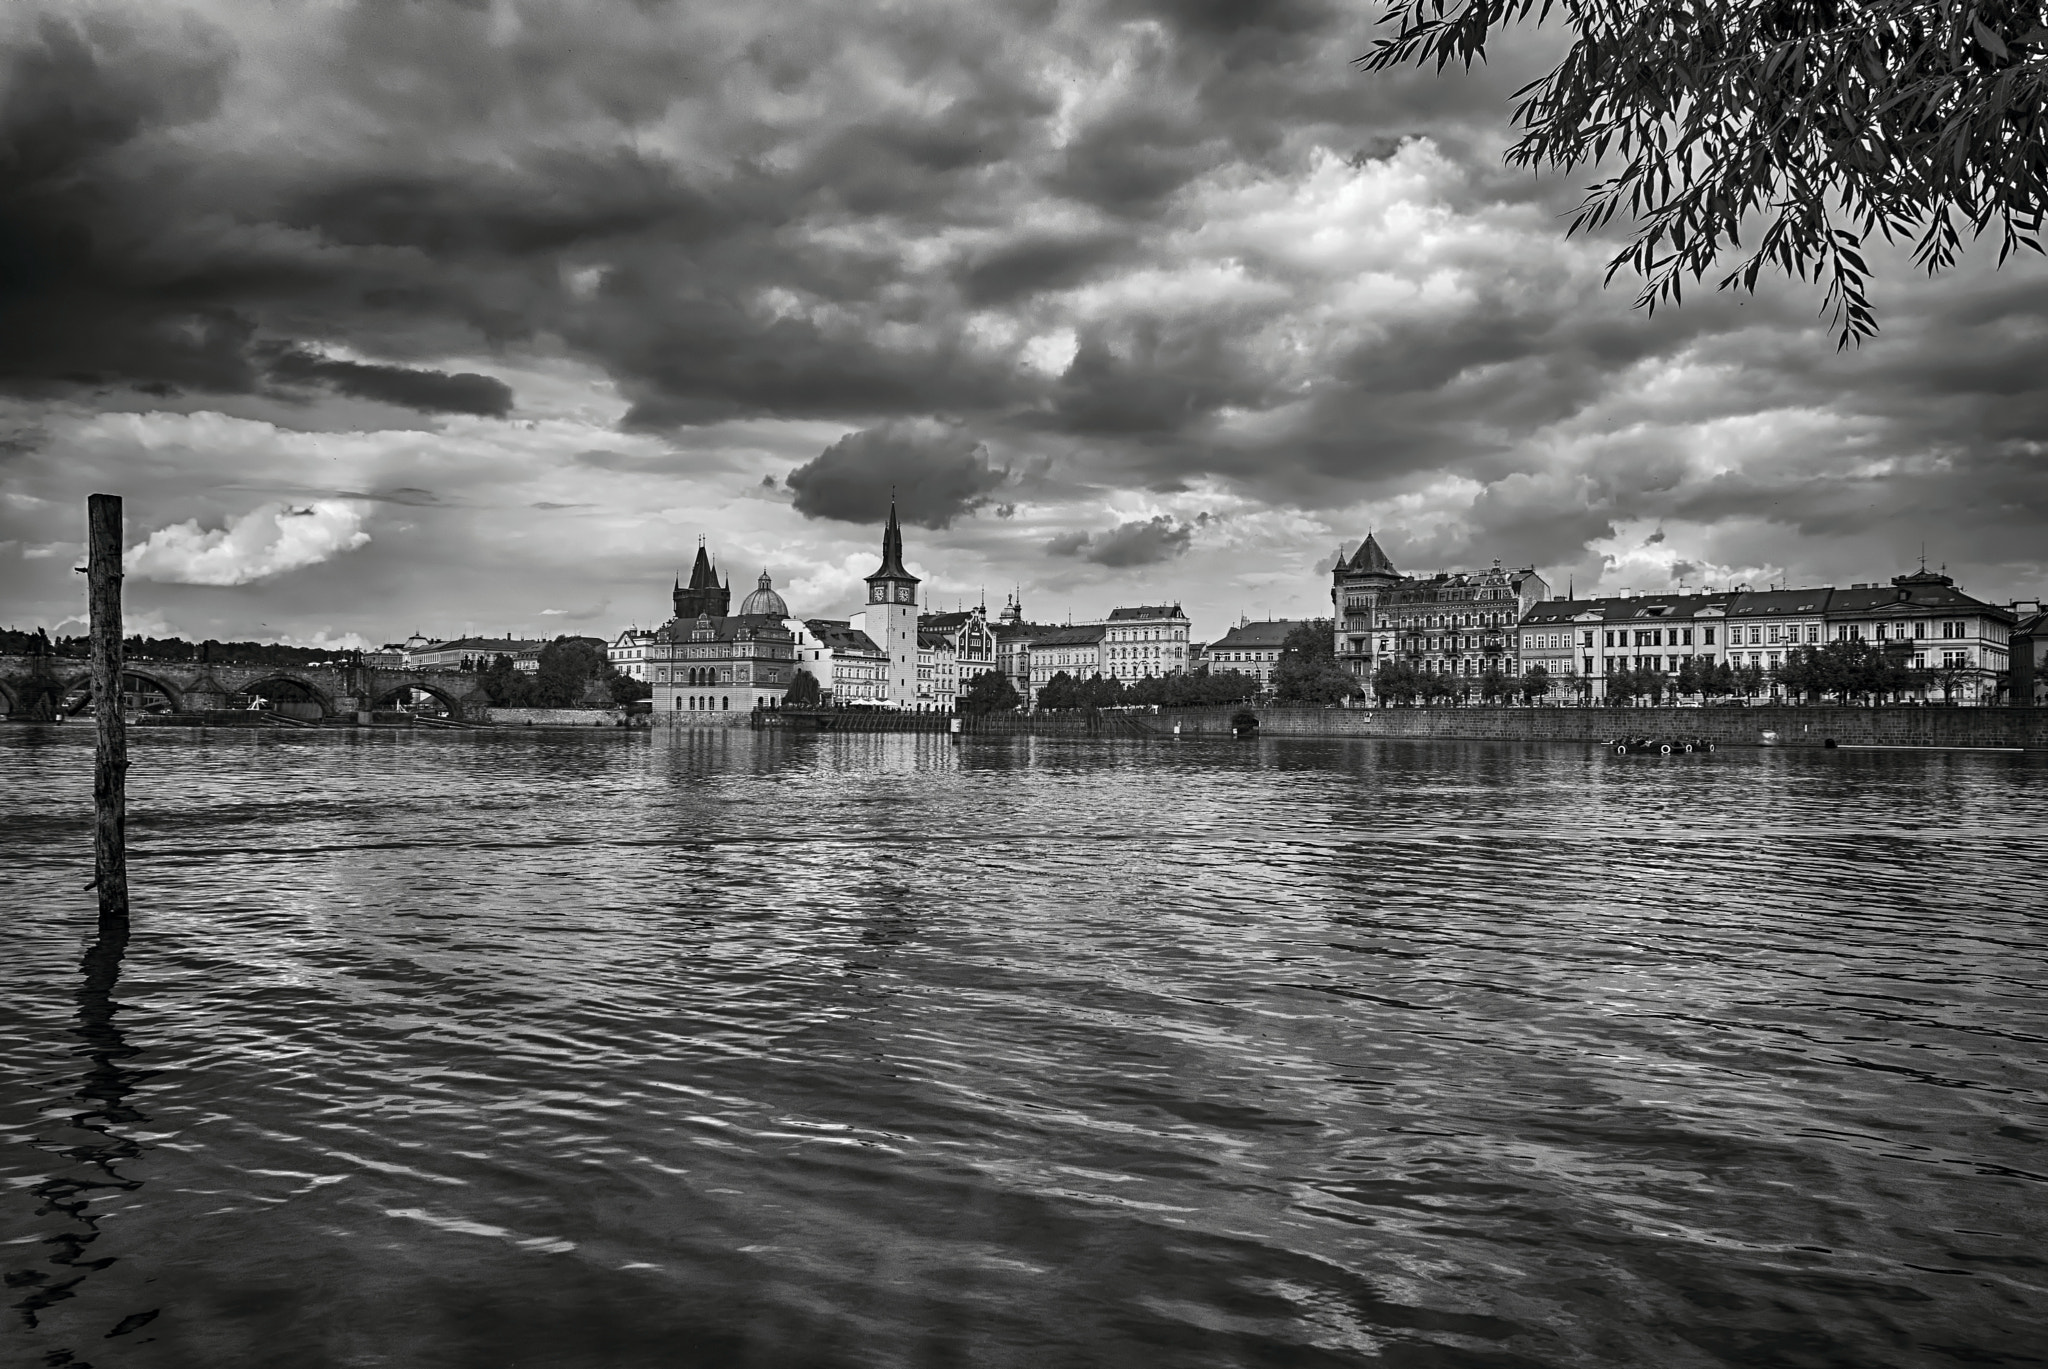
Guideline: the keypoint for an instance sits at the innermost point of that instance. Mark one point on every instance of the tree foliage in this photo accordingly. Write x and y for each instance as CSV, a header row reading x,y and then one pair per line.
x,y
803,691
1794,130
1195,689
1307,671
990,692
1849,670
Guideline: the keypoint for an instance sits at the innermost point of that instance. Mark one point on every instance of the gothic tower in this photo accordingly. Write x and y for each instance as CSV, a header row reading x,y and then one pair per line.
x,y
705,595
892,608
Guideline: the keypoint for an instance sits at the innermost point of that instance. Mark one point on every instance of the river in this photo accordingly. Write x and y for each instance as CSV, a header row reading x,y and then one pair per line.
x,y
720,1048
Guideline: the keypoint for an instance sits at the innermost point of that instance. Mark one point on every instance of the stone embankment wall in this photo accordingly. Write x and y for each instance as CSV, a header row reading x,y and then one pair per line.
x,y
554,717
1770,726
686,719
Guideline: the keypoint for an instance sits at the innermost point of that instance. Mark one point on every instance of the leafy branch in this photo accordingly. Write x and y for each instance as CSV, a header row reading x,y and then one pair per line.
x,y
1810,125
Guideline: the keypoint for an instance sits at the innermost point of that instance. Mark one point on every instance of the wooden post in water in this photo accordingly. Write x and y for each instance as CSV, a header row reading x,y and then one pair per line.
x,y
110,760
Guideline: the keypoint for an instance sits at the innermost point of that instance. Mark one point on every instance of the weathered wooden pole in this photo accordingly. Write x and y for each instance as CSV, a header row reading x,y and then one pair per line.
x,y
110,762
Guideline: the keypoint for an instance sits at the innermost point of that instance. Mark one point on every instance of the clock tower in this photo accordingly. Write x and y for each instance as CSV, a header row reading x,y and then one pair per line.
x,y
892,616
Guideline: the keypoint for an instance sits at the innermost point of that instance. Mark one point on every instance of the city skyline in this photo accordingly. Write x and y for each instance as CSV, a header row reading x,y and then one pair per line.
x,y
374,330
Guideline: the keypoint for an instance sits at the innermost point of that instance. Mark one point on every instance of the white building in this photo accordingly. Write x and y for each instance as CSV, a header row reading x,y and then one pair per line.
x,y
1251,649
849,668
1073,651
628,653
1146,640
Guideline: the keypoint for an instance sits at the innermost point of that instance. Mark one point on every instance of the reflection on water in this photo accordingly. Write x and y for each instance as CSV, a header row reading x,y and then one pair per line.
x,y
771,1050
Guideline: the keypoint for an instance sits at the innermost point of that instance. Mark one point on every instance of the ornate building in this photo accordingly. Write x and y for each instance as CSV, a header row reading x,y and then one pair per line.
x,y
1151,639
890,619
706,661
968,649
1458,623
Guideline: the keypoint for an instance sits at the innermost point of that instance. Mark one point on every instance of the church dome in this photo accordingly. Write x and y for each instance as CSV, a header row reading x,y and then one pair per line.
x,y
764,602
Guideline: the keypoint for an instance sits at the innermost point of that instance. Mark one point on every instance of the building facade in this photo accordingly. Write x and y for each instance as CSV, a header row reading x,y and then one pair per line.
x,y
972,639
1457,623
1922,620
711,664
1073,651
1013,637
850,669
628,653
1251,649
1150,639
472,653
938,672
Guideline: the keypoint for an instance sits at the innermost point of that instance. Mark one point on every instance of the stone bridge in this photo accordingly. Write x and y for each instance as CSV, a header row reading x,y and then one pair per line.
x,y
43,686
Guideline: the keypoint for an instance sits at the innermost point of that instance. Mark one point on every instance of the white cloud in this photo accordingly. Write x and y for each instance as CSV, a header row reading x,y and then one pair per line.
x,y
262,543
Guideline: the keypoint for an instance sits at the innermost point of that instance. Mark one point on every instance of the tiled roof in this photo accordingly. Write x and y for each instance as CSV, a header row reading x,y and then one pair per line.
x,y
507,645
1778,603
1146,611
1088,635
1255,636
1554,611
722,629
840,636
1370,557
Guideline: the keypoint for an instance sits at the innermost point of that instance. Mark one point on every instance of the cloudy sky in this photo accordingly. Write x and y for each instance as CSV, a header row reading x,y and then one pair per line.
x,y
474,315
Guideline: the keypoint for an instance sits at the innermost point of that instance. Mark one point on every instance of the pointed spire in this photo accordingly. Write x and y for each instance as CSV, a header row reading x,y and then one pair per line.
x,y
892,549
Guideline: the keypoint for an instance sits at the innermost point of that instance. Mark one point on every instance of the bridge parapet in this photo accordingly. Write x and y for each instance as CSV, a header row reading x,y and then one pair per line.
x,y
36,686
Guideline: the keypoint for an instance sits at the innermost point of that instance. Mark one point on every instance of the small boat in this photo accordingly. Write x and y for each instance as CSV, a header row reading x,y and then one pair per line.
x,y
1659,746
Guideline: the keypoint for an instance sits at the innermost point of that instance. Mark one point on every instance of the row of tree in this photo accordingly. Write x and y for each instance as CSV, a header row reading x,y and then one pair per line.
x,y
1192,690
15,642
574,672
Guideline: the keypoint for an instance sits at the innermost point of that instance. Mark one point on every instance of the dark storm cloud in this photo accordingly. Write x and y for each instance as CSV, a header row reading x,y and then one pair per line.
x,y
1140,542
1170,243
464,392
936,474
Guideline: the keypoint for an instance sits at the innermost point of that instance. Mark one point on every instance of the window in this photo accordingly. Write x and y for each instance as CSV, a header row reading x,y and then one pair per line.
x,y
1813,632
1688,636
1919,629
1657,637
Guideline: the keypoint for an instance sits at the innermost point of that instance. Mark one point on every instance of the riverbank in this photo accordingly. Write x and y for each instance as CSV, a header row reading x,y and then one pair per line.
x,y
1802,726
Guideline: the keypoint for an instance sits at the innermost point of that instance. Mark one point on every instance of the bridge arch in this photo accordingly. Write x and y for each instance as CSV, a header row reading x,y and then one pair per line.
x,y
453,705
144,685
304,690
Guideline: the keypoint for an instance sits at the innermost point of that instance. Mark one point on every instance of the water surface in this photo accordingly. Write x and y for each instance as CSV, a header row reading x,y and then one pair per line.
x,y
719,1048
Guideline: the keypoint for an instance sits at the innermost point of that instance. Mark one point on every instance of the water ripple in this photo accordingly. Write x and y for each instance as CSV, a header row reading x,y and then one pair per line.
x,y
755,1050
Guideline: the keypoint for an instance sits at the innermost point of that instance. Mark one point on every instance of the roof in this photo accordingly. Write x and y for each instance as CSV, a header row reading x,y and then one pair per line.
x,y
929,637
946,622
722,629
1117,615
1022,632
1089,635
764,602
1256,636
1371,557
1551,611
892,551
1770,603
839,635
1923,590
507,645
